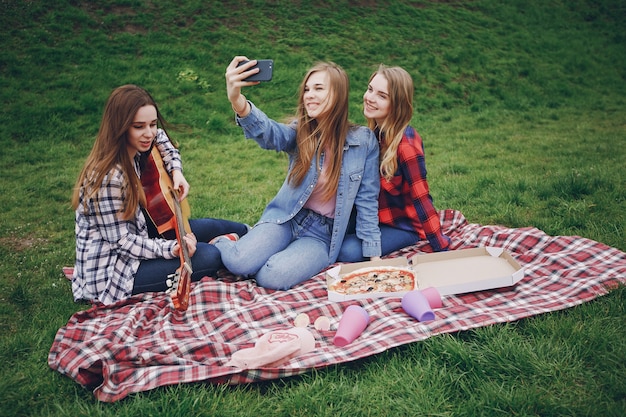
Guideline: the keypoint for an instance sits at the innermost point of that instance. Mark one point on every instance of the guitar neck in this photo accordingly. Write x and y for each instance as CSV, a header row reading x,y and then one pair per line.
x,y
180,230
180,288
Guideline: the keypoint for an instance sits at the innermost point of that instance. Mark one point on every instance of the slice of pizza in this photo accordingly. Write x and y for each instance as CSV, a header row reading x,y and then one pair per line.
x,y
375,279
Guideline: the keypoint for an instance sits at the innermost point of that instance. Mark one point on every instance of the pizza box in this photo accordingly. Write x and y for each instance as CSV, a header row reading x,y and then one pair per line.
x,y
453,272
467,270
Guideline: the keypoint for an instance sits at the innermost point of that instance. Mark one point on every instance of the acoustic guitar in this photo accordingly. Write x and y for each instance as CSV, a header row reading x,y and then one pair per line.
x,y
171,219
157,184
180,281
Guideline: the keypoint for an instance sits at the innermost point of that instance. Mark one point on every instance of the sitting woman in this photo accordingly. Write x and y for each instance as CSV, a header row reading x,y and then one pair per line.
x,y
406,211
332,169
116,256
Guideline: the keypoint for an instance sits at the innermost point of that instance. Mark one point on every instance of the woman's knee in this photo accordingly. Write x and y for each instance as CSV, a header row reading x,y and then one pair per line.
x,y
237,261
206,257
277,276
282,274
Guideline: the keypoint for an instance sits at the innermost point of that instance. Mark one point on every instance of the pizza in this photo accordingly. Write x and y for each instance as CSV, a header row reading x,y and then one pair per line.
x,y
375,279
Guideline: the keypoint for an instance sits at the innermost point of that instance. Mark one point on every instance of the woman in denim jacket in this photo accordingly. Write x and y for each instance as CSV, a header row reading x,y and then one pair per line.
x,y
333,167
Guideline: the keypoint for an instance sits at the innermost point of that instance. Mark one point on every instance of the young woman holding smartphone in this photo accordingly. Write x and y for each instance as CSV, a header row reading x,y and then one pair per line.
x,y
333,168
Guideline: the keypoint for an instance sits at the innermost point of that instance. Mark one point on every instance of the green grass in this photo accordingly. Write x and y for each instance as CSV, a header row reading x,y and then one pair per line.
x,y
521,105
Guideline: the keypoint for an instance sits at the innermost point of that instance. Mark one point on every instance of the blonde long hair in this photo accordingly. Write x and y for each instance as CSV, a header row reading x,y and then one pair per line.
x,y
400,86
327,132
110,149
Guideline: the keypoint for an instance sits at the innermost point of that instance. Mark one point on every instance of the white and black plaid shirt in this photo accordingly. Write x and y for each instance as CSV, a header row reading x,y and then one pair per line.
x,y
109,249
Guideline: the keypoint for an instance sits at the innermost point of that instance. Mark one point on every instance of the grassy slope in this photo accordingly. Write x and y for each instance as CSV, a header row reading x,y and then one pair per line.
x,y
521,105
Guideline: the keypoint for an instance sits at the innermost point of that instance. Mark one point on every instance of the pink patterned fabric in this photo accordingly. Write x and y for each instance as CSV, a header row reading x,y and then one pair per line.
x,y
143,343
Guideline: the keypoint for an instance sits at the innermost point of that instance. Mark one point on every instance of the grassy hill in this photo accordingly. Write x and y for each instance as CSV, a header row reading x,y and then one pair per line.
x,y
521,105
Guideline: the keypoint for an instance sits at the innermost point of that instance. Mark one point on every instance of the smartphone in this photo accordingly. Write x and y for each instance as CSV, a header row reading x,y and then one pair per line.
x,y
266,68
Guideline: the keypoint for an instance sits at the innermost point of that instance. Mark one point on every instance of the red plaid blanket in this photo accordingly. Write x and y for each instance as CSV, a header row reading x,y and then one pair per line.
x,y
142,343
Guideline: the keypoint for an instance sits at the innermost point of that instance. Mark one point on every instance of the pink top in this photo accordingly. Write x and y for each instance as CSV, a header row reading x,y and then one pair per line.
x,y
315,202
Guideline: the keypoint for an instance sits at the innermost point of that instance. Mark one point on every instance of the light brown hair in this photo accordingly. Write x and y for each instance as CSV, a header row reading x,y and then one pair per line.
x,y
110,149
327,132
400,86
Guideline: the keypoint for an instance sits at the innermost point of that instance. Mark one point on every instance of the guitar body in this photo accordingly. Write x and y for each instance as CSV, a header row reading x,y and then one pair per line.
x,y
170,217
157,184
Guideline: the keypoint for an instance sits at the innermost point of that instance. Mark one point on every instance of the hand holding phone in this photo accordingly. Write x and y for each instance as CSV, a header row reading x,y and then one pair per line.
x,y
266,68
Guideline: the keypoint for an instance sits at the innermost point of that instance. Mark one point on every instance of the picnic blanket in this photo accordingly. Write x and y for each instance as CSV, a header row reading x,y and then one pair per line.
x,y
142,343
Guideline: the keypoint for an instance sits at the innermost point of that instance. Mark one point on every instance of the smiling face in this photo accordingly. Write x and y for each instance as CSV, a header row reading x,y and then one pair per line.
x,y
316,94
142,131
376,100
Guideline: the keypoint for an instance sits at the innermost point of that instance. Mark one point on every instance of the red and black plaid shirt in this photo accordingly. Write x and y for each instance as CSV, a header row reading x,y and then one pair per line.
x,y
405,201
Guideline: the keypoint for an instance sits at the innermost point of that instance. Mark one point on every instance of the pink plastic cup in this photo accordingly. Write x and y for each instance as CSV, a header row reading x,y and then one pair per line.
x,y
433,297
417,306
353,321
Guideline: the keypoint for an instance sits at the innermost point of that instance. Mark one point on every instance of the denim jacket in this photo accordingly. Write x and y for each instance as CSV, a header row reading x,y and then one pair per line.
x,y
359,181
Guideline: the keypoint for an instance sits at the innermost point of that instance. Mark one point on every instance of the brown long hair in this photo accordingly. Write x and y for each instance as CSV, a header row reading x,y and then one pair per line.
x,y
327,132
110,149
400,85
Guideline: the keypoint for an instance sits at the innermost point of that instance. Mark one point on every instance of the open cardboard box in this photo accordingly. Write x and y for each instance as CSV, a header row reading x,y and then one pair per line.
x,y
452,272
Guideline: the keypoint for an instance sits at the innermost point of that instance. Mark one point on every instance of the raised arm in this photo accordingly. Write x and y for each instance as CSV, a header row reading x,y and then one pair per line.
x,y
234,81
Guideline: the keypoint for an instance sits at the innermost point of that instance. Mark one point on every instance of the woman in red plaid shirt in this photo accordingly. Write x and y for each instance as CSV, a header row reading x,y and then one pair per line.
x,y
406,211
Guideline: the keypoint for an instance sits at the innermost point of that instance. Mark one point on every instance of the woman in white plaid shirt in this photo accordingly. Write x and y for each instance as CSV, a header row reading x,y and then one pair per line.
x,y
117,255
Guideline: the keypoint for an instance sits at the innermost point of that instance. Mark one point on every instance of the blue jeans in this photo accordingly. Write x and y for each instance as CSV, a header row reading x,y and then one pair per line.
x,y
280,256
206,261
391,239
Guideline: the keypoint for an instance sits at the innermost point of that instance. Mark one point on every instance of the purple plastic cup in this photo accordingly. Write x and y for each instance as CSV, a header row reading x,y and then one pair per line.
x,y
353,321
417,306
433,297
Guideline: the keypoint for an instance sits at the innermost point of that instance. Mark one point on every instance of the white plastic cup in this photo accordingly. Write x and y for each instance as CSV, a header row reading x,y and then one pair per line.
x,y
353,321
416,305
